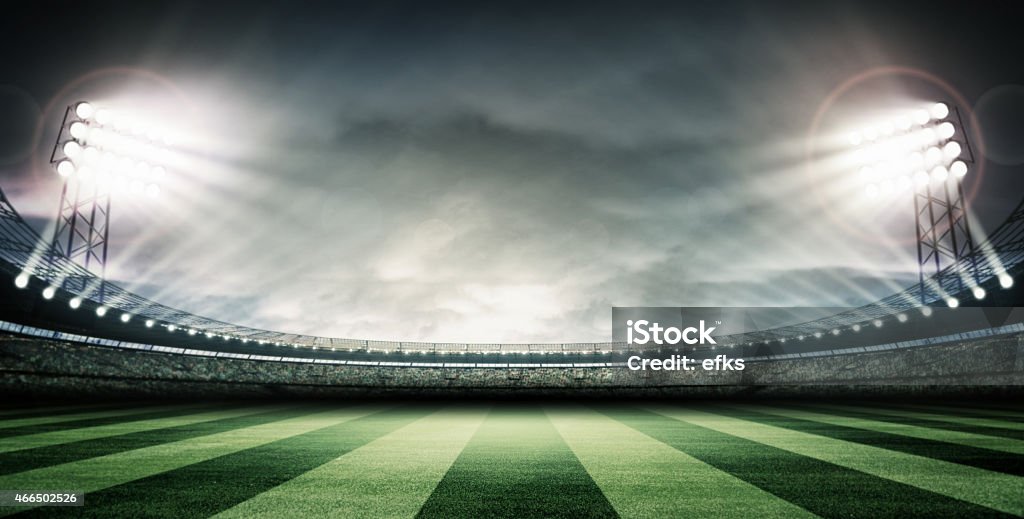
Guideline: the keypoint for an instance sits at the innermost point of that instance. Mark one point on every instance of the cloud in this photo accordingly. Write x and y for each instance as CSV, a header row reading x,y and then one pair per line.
x,y
489,174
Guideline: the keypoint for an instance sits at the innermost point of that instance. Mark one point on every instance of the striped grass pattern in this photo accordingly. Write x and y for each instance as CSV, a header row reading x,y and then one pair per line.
x,y
404,460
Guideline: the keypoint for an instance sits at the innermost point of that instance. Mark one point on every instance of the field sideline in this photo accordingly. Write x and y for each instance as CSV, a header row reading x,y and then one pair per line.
x,y
444,460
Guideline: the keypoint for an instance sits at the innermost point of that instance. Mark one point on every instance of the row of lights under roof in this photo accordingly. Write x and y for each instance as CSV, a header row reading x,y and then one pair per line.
x,y
76,302
21,281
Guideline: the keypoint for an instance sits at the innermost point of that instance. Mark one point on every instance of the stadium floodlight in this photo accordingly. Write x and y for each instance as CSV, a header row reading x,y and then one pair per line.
x,y
928,153
958,169
926,311
921,116
104,116
952,150
171,328
878,323
856,327
979,293
49,292
101,311
952,302
95,157
125,317
901,318
75,303
150,323
65,168
21,281
945,130
72,150
84,110
1005,280
79,130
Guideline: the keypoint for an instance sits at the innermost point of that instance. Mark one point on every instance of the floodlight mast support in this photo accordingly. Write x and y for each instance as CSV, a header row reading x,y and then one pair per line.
x,y
945,248
82,228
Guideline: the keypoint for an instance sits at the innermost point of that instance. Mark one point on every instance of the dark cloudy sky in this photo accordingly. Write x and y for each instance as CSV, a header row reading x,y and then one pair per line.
x,y
490,172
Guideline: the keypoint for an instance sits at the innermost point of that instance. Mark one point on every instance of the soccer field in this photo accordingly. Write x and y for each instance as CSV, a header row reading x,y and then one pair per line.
x,y
444,460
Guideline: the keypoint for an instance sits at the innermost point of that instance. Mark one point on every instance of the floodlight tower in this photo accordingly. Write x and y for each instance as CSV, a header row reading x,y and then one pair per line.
x,y
927,151
99,153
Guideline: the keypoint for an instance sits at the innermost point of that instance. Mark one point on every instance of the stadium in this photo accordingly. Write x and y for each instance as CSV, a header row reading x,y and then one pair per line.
x,y
137,384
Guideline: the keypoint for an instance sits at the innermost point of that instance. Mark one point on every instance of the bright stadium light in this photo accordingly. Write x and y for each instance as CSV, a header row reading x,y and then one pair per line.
x,y
901,318
921,117
150,323
99,152
79,131
72,150
952,302
918,152
75,303
101,311
958,169
21,281
951,150
945,130
926,311
979,293
65,168
1005,280
104,116
921,177
49,292
125,317
171,328
84,110
878,323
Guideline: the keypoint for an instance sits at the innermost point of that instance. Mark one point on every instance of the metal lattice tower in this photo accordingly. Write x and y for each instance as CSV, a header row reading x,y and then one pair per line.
x,y
945,248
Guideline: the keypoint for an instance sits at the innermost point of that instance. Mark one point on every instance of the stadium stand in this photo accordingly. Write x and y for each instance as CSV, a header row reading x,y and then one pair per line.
x,y
35,367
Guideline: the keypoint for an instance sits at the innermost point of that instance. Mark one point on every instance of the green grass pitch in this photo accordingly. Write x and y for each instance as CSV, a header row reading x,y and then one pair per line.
x,y
371,460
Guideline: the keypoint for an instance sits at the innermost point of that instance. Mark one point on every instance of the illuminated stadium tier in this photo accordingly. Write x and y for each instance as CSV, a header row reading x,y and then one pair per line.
x,y
24,258
53,365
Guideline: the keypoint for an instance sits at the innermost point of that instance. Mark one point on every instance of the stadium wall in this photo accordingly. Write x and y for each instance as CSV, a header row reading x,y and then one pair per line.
x,y
39,368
